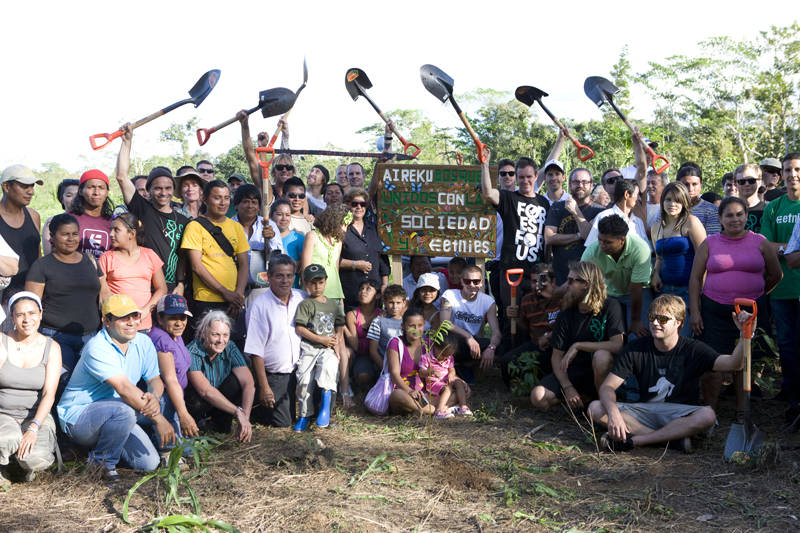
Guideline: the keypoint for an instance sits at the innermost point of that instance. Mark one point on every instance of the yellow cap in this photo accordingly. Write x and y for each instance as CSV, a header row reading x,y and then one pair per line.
x,y
119,305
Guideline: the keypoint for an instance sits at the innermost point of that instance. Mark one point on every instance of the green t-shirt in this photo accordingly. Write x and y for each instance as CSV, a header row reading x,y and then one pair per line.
x,y
633,265
321,318
777,224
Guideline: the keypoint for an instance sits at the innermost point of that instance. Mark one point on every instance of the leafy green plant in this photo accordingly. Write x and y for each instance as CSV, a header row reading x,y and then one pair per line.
x,y
174,479
379,464
524,373
181,523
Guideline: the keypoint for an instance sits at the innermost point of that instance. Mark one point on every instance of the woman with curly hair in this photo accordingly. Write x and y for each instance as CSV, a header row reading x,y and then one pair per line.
x,y
323,245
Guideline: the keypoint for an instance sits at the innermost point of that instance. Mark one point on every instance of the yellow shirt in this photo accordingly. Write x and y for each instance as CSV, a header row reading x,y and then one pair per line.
x,y
219,264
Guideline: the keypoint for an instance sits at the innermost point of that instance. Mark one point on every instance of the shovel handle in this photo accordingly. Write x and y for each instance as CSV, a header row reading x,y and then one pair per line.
x,y
584,152
479,146
407,145
656,158
204,134
107,136
265,164
747,327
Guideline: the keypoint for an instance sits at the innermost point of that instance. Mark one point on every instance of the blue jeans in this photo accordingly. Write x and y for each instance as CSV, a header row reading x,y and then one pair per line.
x,y
787,324
109,427
71,346
625,302
168,411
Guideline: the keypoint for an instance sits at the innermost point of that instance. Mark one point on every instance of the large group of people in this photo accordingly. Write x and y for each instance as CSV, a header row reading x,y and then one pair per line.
x,y
134,329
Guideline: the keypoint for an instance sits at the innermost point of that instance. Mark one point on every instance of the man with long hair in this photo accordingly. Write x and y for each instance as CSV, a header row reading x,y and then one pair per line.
x,y
586,337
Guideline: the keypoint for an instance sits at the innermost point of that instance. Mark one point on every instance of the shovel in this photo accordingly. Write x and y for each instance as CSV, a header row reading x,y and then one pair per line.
x,y
274,138
440,85
744,439
514,283
356,82
197,94
271,102
600,90
528,95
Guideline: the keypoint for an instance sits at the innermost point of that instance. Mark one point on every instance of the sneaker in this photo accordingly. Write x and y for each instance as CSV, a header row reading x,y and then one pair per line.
x,y
441,415
112,476
611,445
681,445
30,476
463,410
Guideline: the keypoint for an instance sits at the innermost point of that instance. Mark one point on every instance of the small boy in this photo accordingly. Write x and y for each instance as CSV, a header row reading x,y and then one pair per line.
x,y
318,322
381,331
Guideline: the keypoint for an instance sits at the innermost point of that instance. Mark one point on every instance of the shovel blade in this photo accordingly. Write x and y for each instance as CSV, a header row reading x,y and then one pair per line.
x,y
437,82
599,89
736,441
528,95
277,101
356,81
754,439
204,86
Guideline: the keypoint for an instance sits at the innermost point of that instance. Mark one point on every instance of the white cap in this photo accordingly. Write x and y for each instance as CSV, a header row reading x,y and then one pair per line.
x,y
429,279
553,162
20,173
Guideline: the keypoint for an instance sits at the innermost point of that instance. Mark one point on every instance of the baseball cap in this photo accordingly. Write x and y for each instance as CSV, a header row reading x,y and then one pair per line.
x,y
173,304
313,272
20,173
119,305
428,279
159,172
237,176
770,162
553,162
93,174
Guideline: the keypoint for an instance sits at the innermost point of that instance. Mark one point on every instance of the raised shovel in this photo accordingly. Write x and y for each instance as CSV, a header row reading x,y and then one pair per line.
x,y
440,85
197,94
271,144
600,90
528,95
744,439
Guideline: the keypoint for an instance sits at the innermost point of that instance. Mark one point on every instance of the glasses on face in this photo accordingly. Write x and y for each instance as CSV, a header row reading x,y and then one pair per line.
x,y
355,204
572,280
205,170
468,281
582,183
284,167
505,173
661,319
610,181
294,195
746,181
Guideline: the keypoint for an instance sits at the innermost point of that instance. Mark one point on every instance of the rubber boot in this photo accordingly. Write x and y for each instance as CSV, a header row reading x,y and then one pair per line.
x,y
324,416
302,423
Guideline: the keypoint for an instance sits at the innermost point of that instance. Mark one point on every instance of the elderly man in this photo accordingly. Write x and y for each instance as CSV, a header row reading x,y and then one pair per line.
x,y
100,403
273,344
668,369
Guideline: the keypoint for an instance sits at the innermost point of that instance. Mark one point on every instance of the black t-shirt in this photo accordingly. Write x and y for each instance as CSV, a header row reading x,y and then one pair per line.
x,y
573,326
564,222
774,194
523,228
754,215
162,234
672,376
70,294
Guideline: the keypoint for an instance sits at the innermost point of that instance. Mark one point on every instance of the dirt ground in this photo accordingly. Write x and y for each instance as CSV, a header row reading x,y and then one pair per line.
x,y
506,469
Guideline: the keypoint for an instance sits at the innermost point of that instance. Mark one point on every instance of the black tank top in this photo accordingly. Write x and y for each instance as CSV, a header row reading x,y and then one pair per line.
x,y
25,241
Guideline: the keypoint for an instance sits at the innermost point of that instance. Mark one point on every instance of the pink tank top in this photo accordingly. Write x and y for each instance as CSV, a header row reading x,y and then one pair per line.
x,y
735,268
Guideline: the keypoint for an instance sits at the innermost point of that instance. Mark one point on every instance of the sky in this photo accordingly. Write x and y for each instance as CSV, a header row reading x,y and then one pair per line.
x,y
72,69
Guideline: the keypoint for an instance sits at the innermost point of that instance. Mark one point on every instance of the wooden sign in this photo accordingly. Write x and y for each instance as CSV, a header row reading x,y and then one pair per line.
x,y
435,210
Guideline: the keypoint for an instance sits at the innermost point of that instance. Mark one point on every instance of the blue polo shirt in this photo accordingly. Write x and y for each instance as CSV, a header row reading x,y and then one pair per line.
x,y
218,369
101,359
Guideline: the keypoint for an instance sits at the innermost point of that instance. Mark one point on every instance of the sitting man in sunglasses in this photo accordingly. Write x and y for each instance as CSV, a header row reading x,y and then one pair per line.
x,y
587,335
668,369
468,309
294,192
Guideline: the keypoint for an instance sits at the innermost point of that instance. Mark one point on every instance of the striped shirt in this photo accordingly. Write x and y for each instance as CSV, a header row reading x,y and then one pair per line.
x,y
539,314
220,367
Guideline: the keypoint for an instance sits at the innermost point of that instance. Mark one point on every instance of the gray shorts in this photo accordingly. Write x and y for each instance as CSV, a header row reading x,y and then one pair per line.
x,y
656,415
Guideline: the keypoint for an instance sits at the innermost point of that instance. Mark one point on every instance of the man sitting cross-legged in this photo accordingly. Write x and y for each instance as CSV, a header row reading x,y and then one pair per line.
x,y
586,337
668,369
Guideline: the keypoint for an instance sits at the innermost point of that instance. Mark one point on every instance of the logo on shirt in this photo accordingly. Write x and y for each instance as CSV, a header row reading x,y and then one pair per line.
x,y
467,317
598,328
529,237
95,241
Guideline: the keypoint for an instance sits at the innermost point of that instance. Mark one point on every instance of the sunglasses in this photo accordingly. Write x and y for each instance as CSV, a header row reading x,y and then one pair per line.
x,y
747,181
467,281
358,204
543,278
661,319
611,181
284,167
205,170
507,173
294,195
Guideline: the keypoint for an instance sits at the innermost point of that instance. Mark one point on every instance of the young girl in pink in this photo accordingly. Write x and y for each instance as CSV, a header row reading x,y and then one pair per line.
x,y
357,323
132,269
437,368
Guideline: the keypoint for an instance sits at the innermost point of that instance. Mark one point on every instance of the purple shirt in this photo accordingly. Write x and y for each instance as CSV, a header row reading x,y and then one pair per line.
x,y
735,268
164,343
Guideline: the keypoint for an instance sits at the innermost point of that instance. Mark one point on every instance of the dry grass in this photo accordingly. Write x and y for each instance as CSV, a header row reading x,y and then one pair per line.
x,y
508,469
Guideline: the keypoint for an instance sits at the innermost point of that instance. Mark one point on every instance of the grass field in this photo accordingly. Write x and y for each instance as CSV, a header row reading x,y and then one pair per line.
x,y
508,468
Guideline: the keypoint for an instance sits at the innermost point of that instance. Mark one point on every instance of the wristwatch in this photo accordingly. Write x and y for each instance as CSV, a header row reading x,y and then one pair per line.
x,y
781,249
491,347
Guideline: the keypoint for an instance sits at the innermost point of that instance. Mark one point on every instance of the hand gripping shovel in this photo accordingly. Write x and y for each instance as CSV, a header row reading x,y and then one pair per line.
x,y
601,90
197,94
271,102
440,85
356,82
514,283
744,439
528,95
271,144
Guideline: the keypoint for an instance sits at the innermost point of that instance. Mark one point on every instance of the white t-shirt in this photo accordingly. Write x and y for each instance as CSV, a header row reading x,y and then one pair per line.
x,y
468,315
635,225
